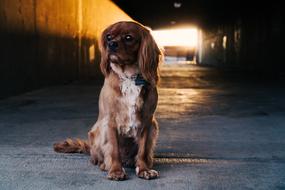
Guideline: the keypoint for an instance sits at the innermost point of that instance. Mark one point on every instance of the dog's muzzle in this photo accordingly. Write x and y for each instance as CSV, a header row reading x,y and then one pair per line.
x,y
113,46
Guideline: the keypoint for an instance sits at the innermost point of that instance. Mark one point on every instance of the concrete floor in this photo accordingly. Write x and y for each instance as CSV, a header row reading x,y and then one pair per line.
x,y
215,133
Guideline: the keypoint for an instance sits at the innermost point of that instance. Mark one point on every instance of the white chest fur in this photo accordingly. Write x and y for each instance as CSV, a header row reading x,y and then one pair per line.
x,y
127,119
132,100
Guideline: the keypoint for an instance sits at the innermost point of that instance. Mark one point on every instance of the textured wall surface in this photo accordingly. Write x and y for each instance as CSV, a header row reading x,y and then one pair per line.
x,y
46,42
252,43
96,15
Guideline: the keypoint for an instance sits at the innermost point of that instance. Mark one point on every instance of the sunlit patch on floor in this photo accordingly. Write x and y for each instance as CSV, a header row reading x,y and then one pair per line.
x,y
178,158
180,161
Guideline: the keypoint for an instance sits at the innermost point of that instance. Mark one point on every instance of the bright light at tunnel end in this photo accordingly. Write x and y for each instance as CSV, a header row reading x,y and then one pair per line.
x,y
186,37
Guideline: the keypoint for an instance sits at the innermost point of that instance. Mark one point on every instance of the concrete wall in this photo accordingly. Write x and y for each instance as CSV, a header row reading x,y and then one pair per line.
x,y
252,42
96,16
221,45
47,42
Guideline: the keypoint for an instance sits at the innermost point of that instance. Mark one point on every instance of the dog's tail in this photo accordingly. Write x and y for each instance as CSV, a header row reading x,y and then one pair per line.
x,y
72,146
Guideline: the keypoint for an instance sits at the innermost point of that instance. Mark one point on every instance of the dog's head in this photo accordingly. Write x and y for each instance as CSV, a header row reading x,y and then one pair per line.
x,y
126,43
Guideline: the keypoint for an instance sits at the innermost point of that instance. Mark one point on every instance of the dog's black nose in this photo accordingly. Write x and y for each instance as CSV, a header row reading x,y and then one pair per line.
x,y
113,46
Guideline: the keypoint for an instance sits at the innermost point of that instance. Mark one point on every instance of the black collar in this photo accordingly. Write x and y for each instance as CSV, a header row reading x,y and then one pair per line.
x,y
139,80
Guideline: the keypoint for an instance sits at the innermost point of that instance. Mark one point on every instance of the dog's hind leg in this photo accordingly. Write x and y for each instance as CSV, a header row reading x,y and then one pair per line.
x,y
94,137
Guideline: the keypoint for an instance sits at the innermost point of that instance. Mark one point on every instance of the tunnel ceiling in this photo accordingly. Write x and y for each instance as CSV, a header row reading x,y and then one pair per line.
x,y
158,14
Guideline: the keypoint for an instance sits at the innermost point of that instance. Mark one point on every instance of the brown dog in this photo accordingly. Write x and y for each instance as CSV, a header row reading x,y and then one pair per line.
x,y
126,130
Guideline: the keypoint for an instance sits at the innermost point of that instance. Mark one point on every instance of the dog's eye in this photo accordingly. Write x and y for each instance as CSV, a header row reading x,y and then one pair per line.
x,y
109,37
128,38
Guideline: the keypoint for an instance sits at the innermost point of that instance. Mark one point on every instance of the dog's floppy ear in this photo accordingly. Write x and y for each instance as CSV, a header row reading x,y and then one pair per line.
x,y
149,57
104,64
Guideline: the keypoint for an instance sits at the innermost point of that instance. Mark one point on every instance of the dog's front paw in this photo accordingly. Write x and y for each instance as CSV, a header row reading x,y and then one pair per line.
x,y
146,173
117,175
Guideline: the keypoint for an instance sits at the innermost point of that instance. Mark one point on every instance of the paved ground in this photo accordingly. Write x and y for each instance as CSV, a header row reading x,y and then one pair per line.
x,y
216,133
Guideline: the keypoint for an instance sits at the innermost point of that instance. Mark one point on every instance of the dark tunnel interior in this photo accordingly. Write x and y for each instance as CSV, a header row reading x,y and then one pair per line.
x,y
253,30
